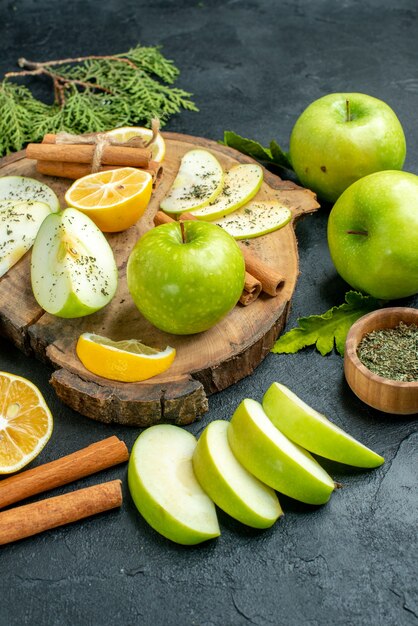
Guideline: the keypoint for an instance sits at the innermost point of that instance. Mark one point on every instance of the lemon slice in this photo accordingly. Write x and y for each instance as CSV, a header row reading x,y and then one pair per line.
x,y
25,422
19,225
198,182
241,183
113,199
127,361
255,219
127,132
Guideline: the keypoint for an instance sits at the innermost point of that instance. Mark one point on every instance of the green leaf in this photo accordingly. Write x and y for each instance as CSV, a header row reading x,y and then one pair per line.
x,y
274,154
327,329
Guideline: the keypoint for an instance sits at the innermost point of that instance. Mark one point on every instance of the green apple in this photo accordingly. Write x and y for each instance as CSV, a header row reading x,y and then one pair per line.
x,y
275,460
198,182
22,188
373,235
255,218
241,183
185,277
342,137
308,428
165,489
73,270
19,225
229,484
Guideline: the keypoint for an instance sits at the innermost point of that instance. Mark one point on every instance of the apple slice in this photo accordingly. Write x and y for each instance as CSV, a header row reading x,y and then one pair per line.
x,y
198,182
165,489
73,269
229,484
255,218
19,225
241,183
314,431
16,188
268,454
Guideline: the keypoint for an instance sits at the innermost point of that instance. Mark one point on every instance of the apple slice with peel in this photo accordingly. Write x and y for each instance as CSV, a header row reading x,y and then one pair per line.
x,y
73,269
275,460
17,188
255,218
241,183
19,225
229,484
198,182
165,489
314,431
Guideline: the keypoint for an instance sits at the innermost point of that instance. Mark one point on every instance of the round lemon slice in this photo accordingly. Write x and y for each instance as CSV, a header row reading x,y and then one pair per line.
x,y
113,199
127,132
25,422
127,361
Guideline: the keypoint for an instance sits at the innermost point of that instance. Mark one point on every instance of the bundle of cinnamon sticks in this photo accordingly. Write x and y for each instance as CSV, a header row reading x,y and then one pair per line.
x,y
73,157
30,519
259,277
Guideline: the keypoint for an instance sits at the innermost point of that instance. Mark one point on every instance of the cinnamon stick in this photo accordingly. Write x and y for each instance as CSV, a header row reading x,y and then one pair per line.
x,y
31,519
78,170
89,460
271,280
251,291
83,153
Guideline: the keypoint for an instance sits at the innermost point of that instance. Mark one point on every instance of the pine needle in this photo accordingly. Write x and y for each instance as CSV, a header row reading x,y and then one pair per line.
x,y
91,94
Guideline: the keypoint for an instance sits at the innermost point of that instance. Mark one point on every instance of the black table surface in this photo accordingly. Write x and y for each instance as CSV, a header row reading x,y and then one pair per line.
x,y
252,66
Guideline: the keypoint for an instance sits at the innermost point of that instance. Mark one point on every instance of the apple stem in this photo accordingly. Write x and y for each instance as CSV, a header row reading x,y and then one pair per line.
x,y
357,232
347,111
183,234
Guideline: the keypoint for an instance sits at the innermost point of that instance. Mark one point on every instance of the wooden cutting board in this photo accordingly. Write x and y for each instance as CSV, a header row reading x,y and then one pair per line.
x,y
205,363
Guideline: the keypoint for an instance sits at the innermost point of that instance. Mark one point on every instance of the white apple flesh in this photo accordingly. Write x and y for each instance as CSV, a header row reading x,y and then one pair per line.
x,y
229,484
308,428
241,183
255,219
198,182
19,225
165,489
73,269
275,460
23,188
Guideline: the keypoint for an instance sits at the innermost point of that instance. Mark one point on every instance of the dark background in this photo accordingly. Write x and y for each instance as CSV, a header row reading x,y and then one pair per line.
x,y
253,66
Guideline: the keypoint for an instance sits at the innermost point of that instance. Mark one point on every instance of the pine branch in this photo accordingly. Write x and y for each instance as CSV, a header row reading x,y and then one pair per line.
x,y
92,93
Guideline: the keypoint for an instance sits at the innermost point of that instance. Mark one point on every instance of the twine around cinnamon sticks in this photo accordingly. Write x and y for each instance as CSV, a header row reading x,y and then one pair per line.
x,y
73,156
258,276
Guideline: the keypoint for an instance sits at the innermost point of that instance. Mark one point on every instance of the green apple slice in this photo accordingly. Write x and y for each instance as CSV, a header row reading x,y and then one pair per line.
x,y
165,489
73,269
18,188
314,431
275,460
19,225
229,484
198,182
241,183
255,218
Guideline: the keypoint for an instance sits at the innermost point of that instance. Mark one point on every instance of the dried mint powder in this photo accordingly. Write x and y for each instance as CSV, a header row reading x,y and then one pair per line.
x,y
391,352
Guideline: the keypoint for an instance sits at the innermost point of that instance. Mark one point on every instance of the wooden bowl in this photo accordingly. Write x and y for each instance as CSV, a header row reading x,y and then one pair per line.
x,y
386,395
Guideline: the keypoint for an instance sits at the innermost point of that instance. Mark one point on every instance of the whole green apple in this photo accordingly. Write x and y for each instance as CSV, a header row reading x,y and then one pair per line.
x,y
342,137
373,235
185,277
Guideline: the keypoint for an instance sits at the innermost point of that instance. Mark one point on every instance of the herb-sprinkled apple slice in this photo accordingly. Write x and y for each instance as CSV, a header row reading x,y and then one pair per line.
x,y
229,484
275,460
73,269
241,183
18,188
19,225
198,182
165,489
255,218
314,431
